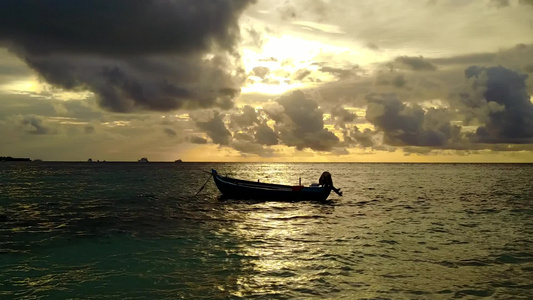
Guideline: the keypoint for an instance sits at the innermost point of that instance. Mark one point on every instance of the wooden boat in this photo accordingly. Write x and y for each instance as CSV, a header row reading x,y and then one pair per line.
x,y
243,189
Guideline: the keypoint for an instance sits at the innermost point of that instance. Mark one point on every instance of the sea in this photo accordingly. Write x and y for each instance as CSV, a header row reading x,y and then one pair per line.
x,y
142,231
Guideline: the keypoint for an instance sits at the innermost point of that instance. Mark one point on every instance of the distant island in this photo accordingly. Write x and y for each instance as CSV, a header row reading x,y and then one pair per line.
x,y
90,160
143,160
178,161
9,158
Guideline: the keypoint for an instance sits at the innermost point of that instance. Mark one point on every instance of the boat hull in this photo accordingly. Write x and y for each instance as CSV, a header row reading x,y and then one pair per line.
x,y
242,189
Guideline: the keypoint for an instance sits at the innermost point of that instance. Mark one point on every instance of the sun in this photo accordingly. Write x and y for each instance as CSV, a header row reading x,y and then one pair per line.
x,y
283,57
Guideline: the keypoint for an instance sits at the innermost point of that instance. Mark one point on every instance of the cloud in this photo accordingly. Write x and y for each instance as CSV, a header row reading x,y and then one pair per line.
x,y
392,79
241,136
252,148
107,27
341,116
416,63
475,58
264,135
154,55
297,122
356,137
198,140
302,125
254,37
301,74
339,72
169,132
274,110
500,3
12,68
89,129
215,128
260,72
372,46
247,118
499,100
404,125
34,125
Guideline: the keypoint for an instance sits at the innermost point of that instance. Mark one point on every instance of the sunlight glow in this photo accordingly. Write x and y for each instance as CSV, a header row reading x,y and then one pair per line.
x,y
67,121
21,86
117,123
319,26
283,57
34,88
271,89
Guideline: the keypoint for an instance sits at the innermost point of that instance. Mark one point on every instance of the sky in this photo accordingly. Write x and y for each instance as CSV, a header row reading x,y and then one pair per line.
x,y
267,80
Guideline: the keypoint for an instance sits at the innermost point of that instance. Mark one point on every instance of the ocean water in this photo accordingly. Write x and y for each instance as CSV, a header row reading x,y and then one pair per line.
x,y
136,231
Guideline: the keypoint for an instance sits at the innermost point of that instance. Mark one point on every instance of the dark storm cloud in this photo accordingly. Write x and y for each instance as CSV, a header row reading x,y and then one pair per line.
x,y
119,27
301,124
500,101
416,63
215,128
404,125
132,54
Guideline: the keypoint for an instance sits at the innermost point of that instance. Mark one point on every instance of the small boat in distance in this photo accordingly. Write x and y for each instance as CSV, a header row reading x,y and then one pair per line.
x,y
243,189
143,160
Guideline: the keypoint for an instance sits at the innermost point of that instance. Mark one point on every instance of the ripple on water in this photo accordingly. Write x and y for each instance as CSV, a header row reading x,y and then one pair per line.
x,y
130,231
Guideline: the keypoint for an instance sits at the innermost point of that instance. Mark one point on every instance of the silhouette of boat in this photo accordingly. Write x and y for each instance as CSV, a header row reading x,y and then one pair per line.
x,y
243,189
143,160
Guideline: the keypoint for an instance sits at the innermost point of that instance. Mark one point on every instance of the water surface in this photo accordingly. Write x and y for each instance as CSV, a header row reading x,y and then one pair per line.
x,y
130,230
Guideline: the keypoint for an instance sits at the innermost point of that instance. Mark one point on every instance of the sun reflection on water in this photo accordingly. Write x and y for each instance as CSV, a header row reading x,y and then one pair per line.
x,y
276,242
